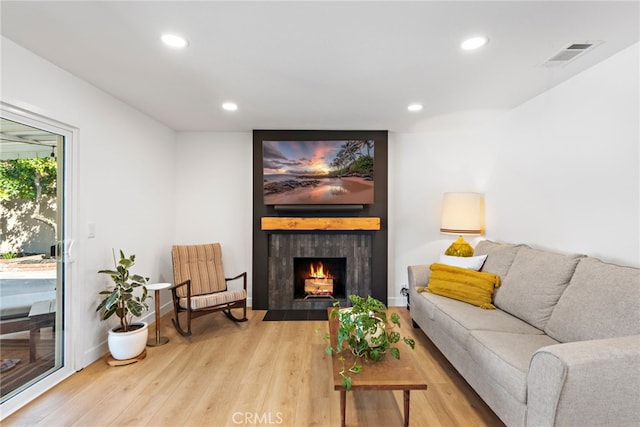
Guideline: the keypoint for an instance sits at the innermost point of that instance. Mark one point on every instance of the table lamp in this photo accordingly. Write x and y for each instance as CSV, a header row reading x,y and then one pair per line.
x,y
462,213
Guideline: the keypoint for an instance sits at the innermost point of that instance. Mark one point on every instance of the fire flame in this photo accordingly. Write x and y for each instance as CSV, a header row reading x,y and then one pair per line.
x,y
317,272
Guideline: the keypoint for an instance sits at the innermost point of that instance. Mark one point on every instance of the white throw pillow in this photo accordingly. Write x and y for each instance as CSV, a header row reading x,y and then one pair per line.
x,y
471,262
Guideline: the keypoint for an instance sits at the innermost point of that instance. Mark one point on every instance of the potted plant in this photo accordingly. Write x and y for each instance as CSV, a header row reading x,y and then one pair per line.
x,y
367,332
128,339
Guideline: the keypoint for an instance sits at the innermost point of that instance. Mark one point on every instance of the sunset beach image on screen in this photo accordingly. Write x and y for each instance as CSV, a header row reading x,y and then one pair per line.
x,y
318,172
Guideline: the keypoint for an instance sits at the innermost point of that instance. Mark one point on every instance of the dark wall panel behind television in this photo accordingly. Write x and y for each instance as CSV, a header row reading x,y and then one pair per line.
x,y
377,209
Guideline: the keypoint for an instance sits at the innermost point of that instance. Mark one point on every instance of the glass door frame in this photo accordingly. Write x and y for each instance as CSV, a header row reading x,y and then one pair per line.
x,y
68,272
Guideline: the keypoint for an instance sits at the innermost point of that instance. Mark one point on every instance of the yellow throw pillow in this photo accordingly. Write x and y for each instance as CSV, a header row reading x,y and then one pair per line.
x,y
463,284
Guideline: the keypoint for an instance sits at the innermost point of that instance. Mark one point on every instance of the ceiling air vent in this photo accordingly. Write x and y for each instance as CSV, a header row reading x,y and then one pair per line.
x,y
569,53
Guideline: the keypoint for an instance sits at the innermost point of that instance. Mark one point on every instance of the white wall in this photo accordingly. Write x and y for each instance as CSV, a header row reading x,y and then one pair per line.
x,y
425,166
560,172
214,190
125,181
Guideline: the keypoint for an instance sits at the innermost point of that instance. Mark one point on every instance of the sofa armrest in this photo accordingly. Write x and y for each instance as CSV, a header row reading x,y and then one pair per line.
x,y
585,383
418,275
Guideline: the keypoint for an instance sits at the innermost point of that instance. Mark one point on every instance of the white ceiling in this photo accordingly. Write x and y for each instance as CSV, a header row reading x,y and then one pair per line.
x,y
322,64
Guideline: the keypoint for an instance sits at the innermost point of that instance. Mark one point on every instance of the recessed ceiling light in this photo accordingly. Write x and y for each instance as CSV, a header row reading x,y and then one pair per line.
x,y
474,43
230,106
414,107
173,40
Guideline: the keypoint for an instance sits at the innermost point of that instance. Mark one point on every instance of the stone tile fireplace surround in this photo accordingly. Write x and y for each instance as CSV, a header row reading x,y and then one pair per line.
x,y
284,248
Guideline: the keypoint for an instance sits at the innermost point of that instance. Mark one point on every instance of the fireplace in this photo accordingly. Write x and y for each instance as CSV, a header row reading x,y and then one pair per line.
x,y
319,277
346,257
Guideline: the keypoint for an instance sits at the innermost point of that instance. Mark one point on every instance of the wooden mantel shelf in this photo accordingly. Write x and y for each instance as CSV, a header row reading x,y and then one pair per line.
x,y
332,223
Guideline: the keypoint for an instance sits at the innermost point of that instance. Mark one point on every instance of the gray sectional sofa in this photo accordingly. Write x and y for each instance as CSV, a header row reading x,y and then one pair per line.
x,y
561,349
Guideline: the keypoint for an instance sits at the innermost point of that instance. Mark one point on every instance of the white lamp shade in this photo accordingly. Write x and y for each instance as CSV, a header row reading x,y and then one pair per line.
x,y
462,213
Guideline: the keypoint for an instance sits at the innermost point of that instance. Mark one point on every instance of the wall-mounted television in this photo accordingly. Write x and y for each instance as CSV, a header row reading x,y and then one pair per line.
x,y
325,172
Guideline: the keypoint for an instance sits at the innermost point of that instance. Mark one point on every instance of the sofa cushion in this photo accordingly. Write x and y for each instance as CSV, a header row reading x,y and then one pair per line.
x,y
500,256
505,357
458,319
472,262
534,283
463,284
601,301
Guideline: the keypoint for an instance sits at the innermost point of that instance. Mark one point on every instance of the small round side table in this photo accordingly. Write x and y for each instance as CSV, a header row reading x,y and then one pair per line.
x,y
158,340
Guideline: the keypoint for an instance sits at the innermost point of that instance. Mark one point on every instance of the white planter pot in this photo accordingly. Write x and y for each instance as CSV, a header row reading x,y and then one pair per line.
x,y
380,328
379,331
127,345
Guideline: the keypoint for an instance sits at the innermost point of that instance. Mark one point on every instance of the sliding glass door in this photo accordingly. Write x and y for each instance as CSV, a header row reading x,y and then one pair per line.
x,y
34,261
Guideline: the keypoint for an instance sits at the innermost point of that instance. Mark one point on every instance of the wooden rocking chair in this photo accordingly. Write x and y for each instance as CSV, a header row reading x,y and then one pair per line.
x,y
200,286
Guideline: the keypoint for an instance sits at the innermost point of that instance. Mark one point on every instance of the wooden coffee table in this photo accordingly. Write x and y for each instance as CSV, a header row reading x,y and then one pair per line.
x,y
387,374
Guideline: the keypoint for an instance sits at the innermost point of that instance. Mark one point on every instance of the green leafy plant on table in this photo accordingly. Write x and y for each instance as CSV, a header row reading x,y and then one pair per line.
x,y
367,332
120,299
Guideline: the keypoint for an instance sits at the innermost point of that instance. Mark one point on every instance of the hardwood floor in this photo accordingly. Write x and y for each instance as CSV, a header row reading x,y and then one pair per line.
x,y
252,373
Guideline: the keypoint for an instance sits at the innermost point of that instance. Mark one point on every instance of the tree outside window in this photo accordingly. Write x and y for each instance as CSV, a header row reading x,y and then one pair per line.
x,y
27,202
